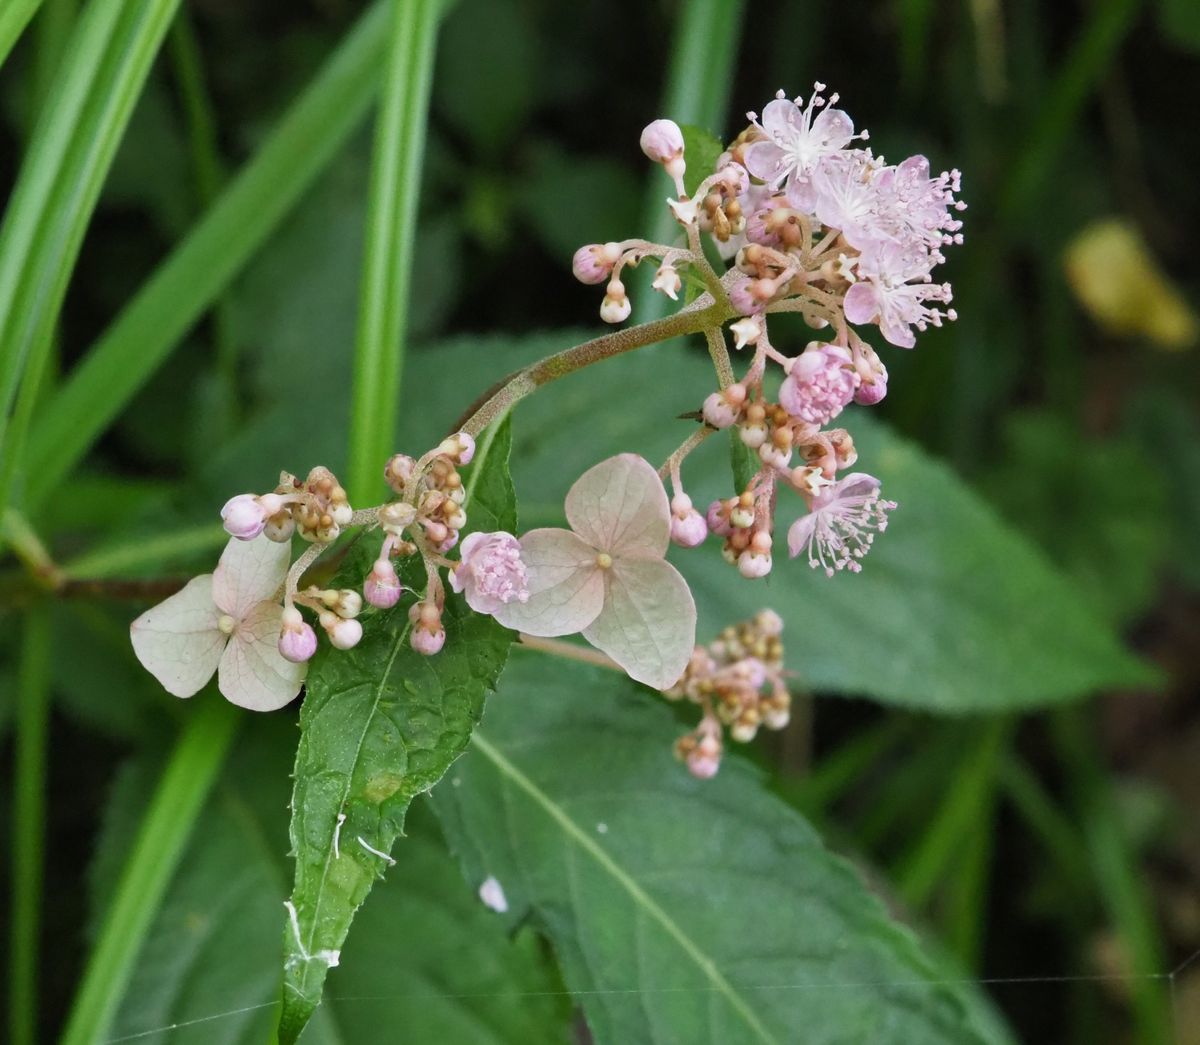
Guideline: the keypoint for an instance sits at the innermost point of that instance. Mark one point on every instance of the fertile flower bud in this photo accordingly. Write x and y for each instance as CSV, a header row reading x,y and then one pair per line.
x,y
615,307
245,516
426,642
396,516
753,434
594,263
348,604
718,412
718,519
752,564
769,623
382,588
872,390
460,447
345,634
741,516
688,528
280,527
398,471
662,142
704,759
297,640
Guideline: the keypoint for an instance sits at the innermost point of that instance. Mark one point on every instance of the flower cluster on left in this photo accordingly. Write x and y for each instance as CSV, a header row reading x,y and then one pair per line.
x,y
245,621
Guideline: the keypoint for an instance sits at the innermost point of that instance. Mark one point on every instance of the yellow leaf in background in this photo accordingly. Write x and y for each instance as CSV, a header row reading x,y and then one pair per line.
x,y
1118,282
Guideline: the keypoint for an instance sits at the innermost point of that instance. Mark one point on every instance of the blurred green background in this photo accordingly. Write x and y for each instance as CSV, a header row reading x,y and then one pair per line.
x,y
1066,394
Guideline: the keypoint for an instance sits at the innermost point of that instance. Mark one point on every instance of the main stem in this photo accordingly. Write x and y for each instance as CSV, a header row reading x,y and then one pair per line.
x,y
704,313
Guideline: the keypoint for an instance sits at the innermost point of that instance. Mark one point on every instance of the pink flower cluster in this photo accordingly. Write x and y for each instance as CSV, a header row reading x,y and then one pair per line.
x,y
811,222
737,681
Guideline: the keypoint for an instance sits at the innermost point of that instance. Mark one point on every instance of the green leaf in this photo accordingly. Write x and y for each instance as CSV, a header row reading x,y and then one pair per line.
x,y
380,724
680,910
428,961
743,460
14,16
953,611
201,267
701,149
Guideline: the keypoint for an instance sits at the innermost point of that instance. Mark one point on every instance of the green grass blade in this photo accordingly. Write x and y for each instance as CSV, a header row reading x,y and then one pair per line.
x,y
201,267
28,830
391,231
14,16
69,157
177,801
697,92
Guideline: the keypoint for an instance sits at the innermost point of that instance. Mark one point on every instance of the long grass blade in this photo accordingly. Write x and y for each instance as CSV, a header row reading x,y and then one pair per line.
x,y
181,792
14,17
72,148
214,252
391,231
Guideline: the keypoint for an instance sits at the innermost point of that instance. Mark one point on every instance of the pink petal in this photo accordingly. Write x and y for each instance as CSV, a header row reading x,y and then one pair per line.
x,y
253,673
249,572
781,117
648,624
620,507
767,161
178,641
861,304
833,127
566,586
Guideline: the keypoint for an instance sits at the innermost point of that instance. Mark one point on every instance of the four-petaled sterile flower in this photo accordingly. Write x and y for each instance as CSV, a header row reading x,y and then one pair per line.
x,y
227,621
607,576
839,528
490,573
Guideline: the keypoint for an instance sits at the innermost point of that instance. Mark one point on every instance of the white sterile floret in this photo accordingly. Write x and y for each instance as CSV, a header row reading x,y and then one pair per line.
x,y
228,622
607,577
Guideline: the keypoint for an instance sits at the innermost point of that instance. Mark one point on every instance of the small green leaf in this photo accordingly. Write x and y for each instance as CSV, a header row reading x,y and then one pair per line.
x,y
681,910
380,724
700,149
744,461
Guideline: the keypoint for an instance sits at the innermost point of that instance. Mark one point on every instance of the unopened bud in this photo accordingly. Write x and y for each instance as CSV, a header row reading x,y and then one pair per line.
x,y
297,640
662,141
382,588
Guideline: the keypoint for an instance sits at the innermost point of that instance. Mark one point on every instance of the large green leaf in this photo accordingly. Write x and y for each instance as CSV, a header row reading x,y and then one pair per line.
x,y
380,724
428,958
953,611
680,910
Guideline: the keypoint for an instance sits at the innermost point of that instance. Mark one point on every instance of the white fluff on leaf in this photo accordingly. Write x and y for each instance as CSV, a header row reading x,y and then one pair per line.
x,y
608,577
225,622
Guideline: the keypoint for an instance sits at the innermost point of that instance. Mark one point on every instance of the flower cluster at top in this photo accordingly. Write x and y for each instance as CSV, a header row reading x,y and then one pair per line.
x,y
816,225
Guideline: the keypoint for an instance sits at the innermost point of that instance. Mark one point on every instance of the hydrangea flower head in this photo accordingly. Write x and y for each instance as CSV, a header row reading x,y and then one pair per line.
x,y
607,577
226,622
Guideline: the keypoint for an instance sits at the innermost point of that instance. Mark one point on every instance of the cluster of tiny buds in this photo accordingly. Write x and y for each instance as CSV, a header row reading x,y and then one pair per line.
x,y
738,682
317,509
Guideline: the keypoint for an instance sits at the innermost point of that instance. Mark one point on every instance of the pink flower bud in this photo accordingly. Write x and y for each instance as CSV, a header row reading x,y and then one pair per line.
x,y
742,298
244,517
297,640
718,519
704,759
382,588
591,264
718,412
752,564
662,141
689,529
427,642
769,623
873,390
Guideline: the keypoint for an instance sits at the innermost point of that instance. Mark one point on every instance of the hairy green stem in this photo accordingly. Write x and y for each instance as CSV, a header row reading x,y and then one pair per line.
x,y
502,397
